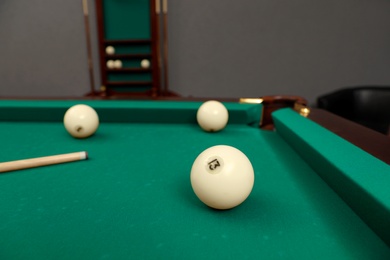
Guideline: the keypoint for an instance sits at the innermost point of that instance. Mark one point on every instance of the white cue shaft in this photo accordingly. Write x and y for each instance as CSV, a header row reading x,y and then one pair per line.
x,y
42,161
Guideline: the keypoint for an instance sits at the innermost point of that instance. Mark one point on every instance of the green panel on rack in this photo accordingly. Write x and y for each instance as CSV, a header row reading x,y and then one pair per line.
x,y
133,49
133,89
133,63
129,77
126,19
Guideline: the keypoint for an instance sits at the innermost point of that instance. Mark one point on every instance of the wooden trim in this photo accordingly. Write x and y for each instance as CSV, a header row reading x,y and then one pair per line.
x,y
165,44
100,28
89,46
128,83
155,11
272,103
373,142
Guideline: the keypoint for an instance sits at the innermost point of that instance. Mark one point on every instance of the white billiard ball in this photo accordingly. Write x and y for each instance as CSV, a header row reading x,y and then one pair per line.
x,y
118,64
145,64
212,116
110,50
222,177
110,64
81,121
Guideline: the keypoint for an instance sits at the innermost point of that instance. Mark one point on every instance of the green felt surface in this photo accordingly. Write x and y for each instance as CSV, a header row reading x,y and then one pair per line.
x,y
133,199
126,19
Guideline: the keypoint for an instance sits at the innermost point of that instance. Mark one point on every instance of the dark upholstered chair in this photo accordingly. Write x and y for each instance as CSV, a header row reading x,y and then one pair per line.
x,y
366,105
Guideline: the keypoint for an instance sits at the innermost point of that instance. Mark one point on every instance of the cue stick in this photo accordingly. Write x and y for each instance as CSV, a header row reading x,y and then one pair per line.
x,y
89,48
165,43
42,161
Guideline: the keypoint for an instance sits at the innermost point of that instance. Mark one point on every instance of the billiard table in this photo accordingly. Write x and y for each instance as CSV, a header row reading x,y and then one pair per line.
x,y
316,194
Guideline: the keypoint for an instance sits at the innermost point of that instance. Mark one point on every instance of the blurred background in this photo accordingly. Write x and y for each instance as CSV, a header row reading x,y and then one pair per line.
x,y
218,48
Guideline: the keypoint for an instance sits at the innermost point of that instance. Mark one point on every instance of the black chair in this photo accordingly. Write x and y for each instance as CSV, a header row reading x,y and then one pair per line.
x,y
366,105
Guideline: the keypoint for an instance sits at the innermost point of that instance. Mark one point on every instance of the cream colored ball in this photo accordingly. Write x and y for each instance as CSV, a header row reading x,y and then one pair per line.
x,y
110,50
145,64
212,116
110,64
118,64
222,177
81,121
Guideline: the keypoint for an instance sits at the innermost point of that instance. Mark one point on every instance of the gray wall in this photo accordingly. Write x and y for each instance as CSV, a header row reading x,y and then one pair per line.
x,y
217,48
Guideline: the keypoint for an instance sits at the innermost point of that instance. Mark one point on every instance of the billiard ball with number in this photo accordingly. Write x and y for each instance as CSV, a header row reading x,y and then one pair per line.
x,y
212,116
222,177
81,121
